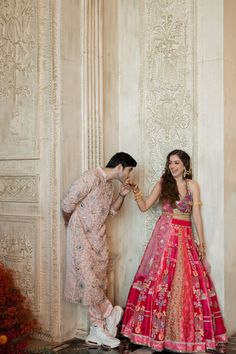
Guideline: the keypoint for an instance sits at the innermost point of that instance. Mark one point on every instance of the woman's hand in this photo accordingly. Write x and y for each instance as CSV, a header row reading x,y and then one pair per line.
x,y
135,188
125,187
201,250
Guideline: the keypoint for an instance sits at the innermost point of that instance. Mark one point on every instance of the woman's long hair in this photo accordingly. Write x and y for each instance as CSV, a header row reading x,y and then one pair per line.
x,y
169,190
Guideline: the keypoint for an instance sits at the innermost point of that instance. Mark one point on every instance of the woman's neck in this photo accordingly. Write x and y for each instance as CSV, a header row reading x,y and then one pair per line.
x,y
180,180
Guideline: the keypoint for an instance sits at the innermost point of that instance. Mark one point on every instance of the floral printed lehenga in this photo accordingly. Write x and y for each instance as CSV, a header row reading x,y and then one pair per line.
x,y
172,303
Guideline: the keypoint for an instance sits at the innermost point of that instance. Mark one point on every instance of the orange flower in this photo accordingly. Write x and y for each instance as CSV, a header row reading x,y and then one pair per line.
x,y
161,336
3,339
137,328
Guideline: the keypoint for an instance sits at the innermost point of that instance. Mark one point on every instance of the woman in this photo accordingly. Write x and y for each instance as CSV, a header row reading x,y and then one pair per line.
x,y
172,302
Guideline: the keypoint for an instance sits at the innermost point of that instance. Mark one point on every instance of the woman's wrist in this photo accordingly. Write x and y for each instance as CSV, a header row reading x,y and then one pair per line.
x,y
138,195
202,243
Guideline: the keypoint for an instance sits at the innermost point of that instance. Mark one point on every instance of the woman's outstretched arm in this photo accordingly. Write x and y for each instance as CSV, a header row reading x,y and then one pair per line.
x,y
143,204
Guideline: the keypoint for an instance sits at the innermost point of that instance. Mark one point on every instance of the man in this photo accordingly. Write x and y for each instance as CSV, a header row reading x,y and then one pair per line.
x,y
85,208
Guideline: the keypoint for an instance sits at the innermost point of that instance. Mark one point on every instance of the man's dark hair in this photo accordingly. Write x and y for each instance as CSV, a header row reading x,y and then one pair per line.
x,y
121,158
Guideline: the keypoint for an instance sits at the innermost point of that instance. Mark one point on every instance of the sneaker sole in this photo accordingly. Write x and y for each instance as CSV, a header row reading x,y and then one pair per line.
x,y
95,343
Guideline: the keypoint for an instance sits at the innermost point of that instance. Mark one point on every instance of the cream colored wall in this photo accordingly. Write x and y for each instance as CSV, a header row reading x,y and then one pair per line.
x,y
216,143
210,132
229,161
121,127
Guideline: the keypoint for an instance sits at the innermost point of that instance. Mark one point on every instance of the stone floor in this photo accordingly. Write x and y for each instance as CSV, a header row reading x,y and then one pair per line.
x,y
78,346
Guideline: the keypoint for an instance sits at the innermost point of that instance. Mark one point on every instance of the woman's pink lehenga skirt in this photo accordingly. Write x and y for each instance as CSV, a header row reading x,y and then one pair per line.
x,y
172,303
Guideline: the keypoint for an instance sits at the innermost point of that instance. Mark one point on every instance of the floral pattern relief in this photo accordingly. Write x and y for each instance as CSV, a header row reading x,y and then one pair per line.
x,y
172,303
18,74
167,86
17,251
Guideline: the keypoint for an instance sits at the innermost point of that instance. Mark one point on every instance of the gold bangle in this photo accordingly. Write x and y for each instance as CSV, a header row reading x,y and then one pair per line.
x,y
136,194
197,203
138,197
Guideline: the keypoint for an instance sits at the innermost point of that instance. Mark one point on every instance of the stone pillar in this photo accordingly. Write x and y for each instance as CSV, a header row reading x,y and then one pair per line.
x,y
92,82
230,162
82,116
210,131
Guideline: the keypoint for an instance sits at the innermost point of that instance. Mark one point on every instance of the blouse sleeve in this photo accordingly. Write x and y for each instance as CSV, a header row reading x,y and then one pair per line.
x,y
78,190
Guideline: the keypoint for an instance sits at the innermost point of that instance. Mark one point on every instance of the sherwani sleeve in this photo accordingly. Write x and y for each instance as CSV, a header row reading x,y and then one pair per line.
x,y
112,212
78,190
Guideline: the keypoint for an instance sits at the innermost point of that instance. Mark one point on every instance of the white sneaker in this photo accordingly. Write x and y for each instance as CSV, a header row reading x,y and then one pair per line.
x,y
113,320
99,336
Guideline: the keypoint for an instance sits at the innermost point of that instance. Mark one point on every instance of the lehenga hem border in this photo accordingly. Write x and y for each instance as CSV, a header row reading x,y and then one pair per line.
x,y
174,346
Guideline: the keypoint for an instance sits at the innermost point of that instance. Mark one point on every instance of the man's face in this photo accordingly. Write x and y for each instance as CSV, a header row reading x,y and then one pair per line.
x,y
125,173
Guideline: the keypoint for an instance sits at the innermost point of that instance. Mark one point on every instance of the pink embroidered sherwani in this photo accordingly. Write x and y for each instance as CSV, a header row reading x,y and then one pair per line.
x,y
89,199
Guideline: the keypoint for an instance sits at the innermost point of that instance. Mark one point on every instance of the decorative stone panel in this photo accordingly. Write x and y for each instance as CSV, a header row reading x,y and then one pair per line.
x,y
19,189
18,79
167,86
19,250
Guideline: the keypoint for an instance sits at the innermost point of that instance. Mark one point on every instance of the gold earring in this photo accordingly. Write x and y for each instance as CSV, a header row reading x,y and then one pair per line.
x,y
186,172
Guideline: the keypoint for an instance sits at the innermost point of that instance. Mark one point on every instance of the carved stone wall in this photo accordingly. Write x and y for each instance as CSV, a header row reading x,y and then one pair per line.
x,y
19,188
19,245
167,85
18,87
29,132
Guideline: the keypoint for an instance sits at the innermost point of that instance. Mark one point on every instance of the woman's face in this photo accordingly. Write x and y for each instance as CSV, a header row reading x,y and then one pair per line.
x,y
176,166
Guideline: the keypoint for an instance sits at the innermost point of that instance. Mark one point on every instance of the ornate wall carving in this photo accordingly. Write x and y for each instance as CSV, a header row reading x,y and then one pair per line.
x,y
167,86
18,250
19,189
30,183
18,79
